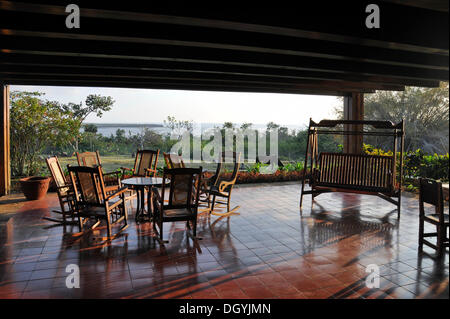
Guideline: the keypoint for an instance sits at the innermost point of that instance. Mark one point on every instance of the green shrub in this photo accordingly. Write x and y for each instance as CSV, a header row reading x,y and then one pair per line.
x,y
418,163
292,167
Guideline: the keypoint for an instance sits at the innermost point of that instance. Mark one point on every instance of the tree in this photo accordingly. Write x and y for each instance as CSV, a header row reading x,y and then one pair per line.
x,y
228,126
90,128
96,104
245,126
425,111
36,123
272,126
178,127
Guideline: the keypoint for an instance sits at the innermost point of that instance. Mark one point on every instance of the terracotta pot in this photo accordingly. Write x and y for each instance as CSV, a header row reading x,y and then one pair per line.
x,y
34,187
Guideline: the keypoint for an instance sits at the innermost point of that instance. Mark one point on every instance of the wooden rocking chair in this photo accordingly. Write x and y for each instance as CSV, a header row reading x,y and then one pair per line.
x,y
221,186
173,161
64,190
91,200
182,200
92,159
145,164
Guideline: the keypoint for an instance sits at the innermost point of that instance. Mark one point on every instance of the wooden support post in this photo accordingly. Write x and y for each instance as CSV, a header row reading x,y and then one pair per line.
x,y
5,175
353,110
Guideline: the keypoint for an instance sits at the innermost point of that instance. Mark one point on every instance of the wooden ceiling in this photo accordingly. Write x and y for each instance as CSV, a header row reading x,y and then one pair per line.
x,y
311,48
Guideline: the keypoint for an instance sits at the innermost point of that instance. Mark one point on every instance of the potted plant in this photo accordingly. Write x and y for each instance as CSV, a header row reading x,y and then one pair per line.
x,y
34,187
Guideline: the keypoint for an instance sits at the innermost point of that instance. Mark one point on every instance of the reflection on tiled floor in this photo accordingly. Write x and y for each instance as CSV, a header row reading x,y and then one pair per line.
x,y
269,251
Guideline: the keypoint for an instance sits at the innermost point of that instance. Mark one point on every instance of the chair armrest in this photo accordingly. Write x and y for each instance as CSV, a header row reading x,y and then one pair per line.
x,y
225,184
64,186
115,194
126,169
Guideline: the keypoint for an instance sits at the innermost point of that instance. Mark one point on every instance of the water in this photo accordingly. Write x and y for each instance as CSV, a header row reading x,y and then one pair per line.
x,y
106,129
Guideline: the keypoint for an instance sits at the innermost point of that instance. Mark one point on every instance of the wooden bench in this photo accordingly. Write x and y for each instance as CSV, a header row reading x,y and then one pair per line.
x,y
355,173
366,173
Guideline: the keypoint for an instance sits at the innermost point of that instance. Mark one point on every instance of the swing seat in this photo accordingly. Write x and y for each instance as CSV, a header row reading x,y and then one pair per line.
x,y
355,172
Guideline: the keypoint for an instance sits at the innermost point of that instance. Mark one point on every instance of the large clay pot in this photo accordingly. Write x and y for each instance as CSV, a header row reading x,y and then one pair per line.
x,y
34,187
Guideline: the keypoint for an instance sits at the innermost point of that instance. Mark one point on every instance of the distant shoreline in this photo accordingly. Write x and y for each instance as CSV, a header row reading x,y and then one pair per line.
x,y
125,124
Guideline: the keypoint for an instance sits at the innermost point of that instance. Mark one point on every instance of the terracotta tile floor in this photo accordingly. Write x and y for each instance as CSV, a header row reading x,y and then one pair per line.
x,y
269,251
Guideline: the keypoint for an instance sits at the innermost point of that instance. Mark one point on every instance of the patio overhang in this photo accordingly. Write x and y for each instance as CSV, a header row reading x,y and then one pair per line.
x,y
315,49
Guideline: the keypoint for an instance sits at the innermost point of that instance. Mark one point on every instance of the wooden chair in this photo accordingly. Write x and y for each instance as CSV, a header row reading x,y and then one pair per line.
x,y
145,164
205,186
92,159
64,190
173,161
91,200
431,193
223,186
182,199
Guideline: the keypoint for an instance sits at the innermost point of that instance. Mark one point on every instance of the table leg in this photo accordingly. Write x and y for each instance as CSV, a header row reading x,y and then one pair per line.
x,y
150,203
138,208
141,213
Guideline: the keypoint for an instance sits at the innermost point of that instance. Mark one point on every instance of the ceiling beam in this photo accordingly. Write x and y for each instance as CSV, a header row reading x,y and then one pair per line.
x,y
404,28
42,25
167,86
188,75
12,58
146,51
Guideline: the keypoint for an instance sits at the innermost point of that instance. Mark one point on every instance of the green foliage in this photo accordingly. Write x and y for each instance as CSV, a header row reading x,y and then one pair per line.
x,y
370,150
94,104
178,127
255,168
36,123
420,164
91,128
296,167
425,111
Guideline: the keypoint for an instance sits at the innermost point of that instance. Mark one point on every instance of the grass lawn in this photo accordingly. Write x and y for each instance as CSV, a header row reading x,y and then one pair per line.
x,y
110,163
113,162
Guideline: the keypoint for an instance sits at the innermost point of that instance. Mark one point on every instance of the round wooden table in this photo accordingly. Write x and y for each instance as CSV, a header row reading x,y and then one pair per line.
x,y
140,184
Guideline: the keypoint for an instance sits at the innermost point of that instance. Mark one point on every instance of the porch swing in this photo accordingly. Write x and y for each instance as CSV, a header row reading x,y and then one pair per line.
x,y
355,173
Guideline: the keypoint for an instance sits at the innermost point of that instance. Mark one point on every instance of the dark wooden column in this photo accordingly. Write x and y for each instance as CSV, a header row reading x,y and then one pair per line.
x,y
5,176
353,110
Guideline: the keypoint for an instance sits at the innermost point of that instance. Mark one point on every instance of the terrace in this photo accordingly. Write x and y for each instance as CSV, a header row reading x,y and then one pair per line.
x,y
272,250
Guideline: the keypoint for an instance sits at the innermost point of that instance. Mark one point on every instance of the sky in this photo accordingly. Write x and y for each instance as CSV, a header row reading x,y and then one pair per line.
x,y
153,106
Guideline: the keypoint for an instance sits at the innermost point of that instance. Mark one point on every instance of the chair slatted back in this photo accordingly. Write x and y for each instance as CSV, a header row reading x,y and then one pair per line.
x,y
58,175
357,171
145,163
219,171
173,161
235,159
88,184
89,159
431,193
183,185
